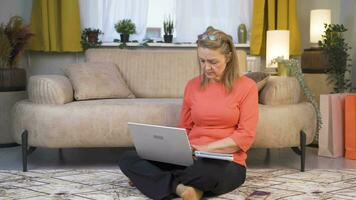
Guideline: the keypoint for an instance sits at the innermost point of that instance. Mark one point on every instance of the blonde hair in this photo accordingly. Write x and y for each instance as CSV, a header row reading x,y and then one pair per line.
x,y
217,40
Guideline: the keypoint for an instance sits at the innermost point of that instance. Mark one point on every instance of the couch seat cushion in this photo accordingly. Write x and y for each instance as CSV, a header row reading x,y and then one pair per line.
x,y
94,123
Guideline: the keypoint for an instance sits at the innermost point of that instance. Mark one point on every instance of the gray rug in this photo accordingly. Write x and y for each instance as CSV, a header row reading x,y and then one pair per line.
x,y
112,184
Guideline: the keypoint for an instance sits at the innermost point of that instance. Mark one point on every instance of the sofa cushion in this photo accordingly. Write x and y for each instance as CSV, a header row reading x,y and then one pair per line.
x,y
279,126
260,78
92,123
50,89
103,123
97,81
280,90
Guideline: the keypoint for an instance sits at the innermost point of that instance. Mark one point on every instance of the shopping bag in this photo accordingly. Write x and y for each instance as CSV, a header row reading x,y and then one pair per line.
x,y
350,127
331,134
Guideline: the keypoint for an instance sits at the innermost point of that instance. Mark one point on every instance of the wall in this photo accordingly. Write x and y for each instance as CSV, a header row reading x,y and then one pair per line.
x,y
304,7
347,17
50,63
9,8
43,63
342,12
351,37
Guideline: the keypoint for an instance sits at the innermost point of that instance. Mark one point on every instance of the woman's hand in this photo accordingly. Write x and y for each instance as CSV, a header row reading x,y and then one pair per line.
x,y
226,145
202,148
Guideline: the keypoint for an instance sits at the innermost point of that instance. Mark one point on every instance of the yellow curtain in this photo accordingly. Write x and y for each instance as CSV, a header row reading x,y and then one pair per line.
x,y
274,15
56,25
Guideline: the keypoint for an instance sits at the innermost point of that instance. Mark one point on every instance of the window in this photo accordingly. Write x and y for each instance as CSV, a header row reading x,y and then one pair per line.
x,y
104,14
191,17
158,10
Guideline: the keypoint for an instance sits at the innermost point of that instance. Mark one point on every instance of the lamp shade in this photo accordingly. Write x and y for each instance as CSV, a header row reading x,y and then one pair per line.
x,y
317,20
277,46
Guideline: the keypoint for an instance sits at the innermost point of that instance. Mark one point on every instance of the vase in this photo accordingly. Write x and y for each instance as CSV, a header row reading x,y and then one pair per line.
x,y
242,34
12,79
168,38
93,37
283,70
124,37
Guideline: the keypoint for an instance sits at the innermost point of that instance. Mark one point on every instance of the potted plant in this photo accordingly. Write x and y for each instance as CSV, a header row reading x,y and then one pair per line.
x,y
168,28
13,37
336,49
90,38
125,27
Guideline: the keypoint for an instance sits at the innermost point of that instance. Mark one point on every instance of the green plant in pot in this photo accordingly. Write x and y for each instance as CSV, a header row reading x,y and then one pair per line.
x,y
336,49
14,36
125,27
90,38
168,28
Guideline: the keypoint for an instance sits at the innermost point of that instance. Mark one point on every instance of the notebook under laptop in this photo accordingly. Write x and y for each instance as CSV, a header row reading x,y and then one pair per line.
x,y
167,144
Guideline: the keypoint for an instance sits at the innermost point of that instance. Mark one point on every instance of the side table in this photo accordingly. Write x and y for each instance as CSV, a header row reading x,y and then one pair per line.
x,y
314,64
318,84
7,100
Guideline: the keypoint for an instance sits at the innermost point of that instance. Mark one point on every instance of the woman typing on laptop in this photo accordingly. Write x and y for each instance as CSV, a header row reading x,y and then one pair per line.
x,y
220,114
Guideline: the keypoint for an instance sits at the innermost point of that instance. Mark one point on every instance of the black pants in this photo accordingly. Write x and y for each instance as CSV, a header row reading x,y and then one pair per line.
x,y
159,180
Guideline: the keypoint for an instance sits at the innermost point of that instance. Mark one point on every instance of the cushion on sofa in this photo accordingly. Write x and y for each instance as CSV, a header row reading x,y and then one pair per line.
x,y
280,90
92,123
260,78
50,89
103,122
97,81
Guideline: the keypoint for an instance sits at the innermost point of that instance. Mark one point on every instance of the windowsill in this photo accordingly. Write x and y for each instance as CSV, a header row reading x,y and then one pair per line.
x,y
165,45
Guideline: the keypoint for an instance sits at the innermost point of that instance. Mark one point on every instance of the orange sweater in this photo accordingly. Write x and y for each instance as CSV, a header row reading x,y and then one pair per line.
x,y
211,114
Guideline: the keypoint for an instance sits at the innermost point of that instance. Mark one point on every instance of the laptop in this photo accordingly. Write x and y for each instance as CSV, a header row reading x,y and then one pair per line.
x,y
161,143
167,144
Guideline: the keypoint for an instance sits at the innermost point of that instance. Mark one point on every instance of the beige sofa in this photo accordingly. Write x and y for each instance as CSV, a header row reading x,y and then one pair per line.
x,y
50,118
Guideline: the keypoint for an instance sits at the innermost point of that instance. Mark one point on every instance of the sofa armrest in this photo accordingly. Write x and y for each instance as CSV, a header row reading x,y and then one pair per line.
x,y
50,89
280,90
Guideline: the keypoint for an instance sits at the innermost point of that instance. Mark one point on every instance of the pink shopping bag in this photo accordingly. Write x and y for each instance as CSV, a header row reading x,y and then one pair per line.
x,y
331,135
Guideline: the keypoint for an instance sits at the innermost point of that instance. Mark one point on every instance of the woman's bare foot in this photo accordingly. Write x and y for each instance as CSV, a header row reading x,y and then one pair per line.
x,y
131,184
188,193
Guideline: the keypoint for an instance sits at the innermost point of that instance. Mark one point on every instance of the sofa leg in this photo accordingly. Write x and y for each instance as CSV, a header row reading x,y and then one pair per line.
x,y
24,140
268,152
25,150
60,152
303,141
301,151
